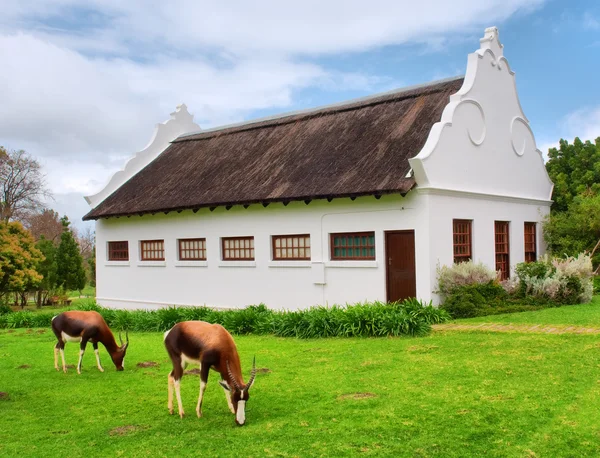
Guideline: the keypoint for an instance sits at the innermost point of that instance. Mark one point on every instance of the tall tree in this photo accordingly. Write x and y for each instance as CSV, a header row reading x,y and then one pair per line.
x,y
574,169
18,259
92,264
48,269
44,224
70,272
22,185
577,229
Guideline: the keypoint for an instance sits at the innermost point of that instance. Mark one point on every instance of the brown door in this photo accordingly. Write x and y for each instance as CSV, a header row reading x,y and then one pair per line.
x,y
400,262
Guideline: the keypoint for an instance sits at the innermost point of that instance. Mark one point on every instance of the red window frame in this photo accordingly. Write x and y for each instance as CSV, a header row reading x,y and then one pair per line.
x,y
152,250
340,241
502,242
530,237
462,230
192,249
118,251
294,247
231,252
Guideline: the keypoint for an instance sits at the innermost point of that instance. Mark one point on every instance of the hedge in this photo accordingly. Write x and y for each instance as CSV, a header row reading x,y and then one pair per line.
x,y
376,319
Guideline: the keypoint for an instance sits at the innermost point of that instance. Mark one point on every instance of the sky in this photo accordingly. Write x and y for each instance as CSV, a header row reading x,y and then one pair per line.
x,y
84,82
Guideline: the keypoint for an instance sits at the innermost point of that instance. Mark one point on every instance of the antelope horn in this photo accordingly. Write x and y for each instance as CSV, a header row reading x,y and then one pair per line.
x,y
233,380
253,373
120,338
127,335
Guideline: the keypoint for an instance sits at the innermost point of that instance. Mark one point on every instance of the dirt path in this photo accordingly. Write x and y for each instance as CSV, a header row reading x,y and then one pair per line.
x,y
523,328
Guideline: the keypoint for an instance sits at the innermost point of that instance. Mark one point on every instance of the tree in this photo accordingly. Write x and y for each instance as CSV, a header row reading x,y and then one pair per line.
x,y
48,269
577,229
18,260
70,272
574,169
86,241
44,224
92,264
22,185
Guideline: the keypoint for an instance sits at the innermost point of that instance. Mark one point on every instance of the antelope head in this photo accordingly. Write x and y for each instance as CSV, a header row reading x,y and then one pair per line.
x,y
119,356
239,393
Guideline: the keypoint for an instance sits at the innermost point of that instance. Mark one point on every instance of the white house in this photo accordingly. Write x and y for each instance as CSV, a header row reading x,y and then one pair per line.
x,y
350,202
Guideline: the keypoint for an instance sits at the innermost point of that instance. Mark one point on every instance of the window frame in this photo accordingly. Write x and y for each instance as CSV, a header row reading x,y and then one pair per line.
x,y
461,257
274,248
252,248
530,255
142,251
502,258
195,239
110,251
332,246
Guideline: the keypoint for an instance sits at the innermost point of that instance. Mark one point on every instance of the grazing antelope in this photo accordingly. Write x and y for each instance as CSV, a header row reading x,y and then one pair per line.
x,y
76,326
211,346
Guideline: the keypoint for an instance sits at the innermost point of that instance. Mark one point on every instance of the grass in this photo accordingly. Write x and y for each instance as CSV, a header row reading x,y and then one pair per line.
x,y
580,315
446,395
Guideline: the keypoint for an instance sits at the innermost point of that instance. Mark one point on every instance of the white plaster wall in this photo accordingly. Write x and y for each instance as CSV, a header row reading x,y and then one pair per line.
x,y
279,285
483,212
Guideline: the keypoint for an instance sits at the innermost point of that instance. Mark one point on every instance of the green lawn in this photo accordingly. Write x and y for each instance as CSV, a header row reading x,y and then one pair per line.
x,y
583,314
449,395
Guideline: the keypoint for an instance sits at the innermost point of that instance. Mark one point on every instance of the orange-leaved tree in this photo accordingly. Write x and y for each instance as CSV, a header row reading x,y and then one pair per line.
x,y
18,260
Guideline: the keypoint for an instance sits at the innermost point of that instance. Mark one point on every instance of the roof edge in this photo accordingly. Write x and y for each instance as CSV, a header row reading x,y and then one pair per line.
x,y
265,202
313,111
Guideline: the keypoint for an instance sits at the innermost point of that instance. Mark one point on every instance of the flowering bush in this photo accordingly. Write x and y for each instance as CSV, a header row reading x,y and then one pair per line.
x,y
470,289
565,281
450,278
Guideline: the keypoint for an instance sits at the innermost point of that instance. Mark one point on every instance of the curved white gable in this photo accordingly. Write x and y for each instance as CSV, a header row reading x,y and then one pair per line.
x,y
483,143
181,122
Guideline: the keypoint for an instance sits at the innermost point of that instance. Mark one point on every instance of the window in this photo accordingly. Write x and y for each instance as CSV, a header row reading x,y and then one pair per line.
x,y
294,247
118,251
238,248
353,246
192,249
461,229
530,245
152,250
502,249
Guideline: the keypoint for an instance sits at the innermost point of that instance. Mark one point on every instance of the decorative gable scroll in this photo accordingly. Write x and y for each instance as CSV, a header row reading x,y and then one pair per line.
x,y
483,143
181,122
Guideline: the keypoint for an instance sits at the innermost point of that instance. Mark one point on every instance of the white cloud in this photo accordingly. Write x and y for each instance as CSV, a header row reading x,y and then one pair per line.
x,y
583,123
88,80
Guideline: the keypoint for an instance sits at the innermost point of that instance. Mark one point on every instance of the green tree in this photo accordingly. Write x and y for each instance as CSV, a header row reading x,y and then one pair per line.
x,y
18,260
92,264
577,229
574,169
70,271
48,269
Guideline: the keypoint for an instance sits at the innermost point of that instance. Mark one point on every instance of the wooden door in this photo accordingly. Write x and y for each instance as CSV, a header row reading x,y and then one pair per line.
x,y
400,262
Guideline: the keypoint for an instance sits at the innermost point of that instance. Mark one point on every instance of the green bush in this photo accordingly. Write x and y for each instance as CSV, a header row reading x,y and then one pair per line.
x,y
596,283
410,317
5,309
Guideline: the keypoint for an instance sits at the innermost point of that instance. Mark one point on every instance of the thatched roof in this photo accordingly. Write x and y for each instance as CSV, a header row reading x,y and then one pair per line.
x,y
352,149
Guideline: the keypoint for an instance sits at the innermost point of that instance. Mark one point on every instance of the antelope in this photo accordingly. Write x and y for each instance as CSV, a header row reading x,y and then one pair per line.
x,y
211,346
77,326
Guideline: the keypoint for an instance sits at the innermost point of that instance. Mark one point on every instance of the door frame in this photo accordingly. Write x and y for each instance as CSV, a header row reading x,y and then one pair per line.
x,y
386,260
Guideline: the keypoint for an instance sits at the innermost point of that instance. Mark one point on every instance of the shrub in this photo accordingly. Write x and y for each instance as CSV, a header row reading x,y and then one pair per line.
x,y
5,309
463,274
596,285
410,317
474,300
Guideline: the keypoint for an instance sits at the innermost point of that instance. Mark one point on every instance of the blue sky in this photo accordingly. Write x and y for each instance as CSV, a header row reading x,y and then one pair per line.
x,y
85,81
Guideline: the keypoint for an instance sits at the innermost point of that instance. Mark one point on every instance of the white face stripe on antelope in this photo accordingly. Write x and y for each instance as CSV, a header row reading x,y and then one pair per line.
x,y
241,412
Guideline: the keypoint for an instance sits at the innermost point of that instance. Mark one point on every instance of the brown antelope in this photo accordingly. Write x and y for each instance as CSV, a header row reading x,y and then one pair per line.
x,y
211,346
77,326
